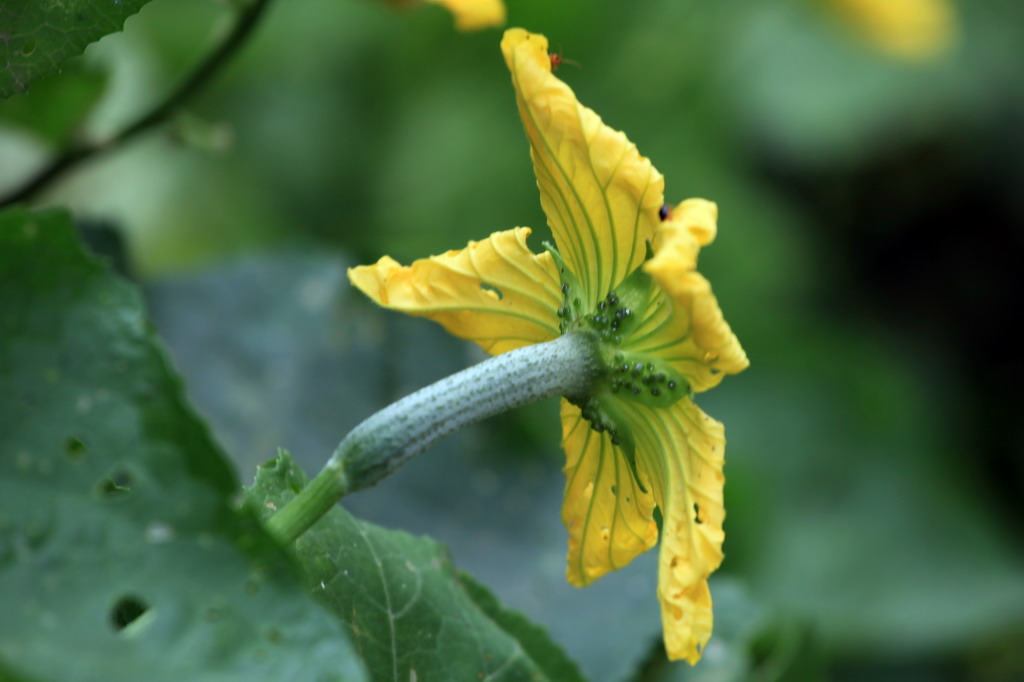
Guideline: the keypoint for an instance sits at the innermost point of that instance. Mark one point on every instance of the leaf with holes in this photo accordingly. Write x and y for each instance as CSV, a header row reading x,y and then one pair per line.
x,y
37,36
121,551
411,614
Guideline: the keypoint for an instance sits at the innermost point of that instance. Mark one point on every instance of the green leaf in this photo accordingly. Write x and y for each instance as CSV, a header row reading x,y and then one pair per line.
x,y
533,638
38,36
411,614
122,551
57,105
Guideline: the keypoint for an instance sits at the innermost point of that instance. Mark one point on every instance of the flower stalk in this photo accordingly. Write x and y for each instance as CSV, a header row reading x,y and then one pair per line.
x,y
569,366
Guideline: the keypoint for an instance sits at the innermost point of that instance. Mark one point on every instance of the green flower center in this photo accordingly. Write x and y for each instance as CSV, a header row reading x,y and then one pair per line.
x,y
630,373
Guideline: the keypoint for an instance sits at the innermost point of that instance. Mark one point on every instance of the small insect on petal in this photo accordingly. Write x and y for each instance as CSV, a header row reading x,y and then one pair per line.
x,y
664,212
557,60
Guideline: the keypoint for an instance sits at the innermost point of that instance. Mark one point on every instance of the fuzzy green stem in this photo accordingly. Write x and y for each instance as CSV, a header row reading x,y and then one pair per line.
x,y
568,366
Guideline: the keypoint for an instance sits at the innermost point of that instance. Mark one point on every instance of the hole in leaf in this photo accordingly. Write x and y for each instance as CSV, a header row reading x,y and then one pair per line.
x,y
696,513
117,484
126,611
492,291
74,447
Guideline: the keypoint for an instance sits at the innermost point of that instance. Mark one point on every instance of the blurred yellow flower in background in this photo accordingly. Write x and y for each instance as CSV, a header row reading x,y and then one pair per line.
x,y
915,29
624,273
470,15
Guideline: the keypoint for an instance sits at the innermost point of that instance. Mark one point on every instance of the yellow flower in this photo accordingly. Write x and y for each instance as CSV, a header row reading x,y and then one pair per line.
x,y
907,28
625,272
471,15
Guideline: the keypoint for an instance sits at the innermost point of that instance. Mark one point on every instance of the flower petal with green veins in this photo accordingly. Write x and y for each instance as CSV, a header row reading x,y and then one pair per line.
x,y
684,451
471,15
608,515
915,29
496,292
600,196
691,334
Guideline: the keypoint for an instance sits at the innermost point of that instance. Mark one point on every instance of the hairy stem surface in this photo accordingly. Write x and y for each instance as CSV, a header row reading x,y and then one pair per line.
x,y
567,366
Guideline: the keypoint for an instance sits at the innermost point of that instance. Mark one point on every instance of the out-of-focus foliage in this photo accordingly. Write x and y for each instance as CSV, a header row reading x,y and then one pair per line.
x,y
909,29
55,107
868,256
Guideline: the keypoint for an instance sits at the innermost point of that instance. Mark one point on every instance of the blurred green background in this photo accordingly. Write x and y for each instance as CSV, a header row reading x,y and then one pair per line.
x,y
869,259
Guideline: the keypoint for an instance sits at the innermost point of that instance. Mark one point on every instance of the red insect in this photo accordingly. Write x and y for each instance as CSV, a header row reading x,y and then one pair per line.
x,y
557,60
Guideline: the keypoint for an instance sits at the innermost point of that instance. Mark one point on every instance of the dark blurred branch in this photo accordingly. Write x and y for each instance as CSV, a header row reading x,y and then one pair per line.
x,y
248,17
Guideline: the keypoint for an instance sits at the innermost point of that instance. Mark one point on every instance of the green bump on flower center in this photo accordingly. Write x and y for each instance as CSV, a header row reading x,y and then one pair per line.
x,y
570,314
611,319
644,378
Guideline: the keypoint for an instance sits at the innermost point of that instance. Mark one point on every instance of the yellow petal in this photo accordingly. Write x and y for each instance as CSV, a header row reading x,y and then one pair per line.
x,y
907,28
600,196
609,517
495,292
684,451
682,322
471,15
